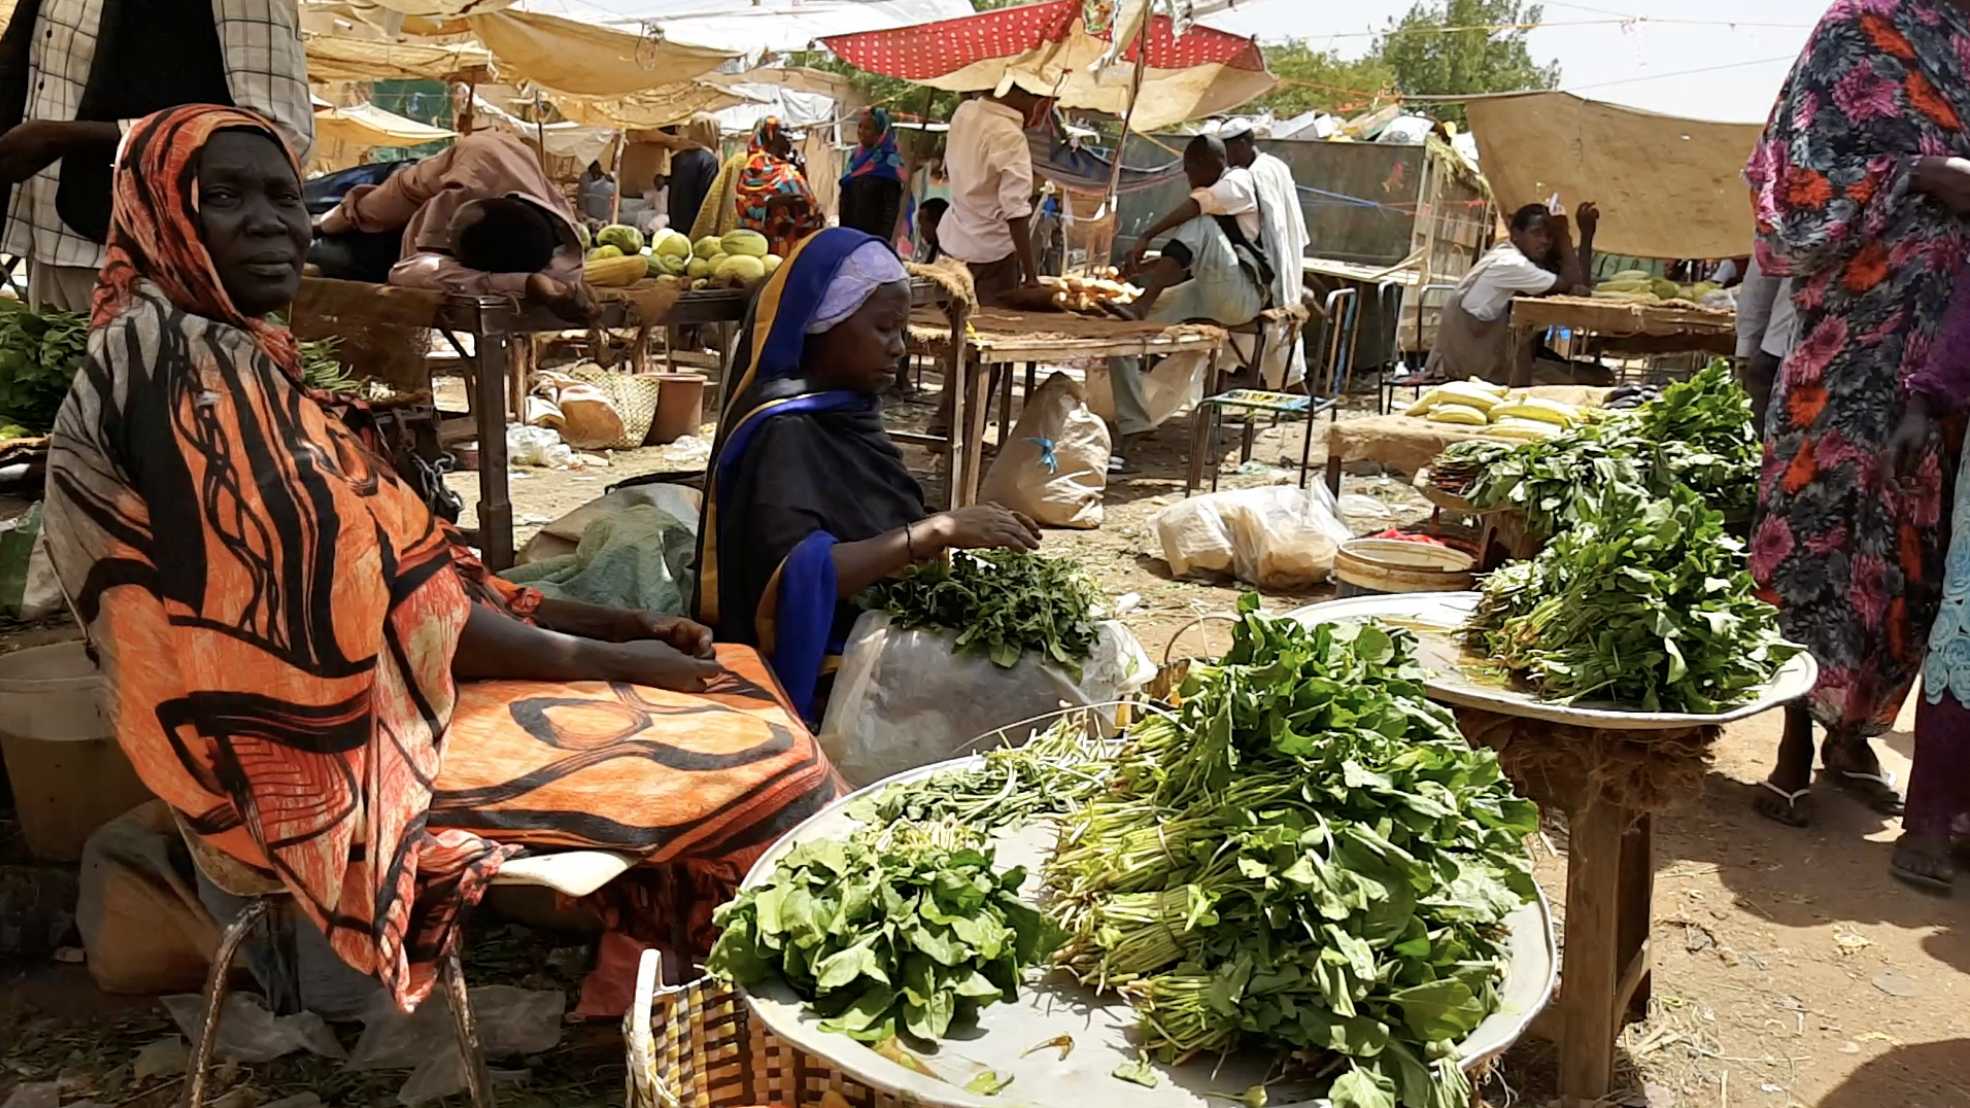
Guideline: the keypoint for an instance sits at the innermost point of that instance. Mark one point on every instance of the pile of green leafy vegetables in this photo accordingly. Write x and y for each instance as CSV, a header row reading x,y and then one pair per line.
x,y
1645,601
1004,604
1697,434
1307,859
900,929
40,354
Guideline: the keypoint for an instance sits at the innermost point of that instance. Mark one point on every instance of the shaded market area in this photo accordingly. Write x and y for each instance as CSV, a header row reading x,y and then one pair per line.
x,y
902,552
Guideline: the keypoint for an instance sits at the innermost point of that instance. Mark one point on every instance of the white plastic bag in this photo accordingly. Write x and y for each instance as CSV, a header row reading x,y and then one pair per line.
x,y
537,446
904,699
1275,537
1055,468
28,587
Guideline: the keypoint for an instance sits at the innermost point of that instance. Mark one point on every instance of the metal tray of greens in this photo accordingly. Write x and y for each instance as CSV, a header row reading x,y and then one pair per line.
x,y
1024,1040
1460,678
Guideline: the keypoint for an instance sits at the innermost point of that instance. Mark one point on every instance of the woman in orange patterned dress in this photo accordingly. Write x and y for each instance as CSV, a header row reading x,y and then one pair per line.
x,y
302,661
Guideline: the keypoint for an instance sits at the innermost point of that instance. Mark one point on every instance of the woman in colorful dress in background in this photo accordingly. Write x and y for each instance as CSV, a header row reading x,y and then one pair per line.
x,y
763,190
302,661
1858,201
872,188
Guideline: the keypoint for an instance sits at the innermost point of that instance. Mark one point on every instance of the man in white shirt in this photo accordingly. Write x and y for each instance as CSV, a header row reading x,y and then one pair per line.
x,y
1474,333
990,163
1285,240
1767,329
75,73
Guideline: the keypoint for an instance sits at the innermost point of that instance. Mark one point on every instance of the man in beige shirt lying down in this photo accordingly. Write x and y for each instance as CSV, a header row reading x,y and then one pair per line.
x,y
480,218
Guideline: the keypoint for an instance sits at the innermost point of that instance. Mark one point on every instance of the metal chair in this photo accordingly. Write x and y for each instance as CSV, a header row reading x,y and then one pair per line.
x,y
1339,328
1414,376
575,873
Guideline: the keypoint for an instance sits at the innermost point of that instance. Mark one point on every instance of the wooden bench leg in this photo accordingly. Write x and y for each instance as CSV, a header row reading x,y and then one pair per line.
x,y
1590,967
1634,925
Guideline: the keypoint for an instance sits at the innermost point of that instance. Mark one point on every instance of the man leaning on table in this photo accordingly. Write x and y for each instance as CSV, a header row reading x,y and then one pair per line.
x,y
479,218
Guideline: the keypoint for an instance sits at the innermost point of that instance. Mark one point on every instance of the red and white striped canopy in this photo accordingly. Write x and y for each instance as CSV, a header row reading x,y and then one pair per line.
x,y
1048,50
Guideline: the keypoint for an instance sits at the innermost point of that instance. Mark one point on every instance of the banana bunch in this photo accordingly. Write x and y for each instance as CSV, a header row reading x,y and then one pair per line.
x,y
1502,412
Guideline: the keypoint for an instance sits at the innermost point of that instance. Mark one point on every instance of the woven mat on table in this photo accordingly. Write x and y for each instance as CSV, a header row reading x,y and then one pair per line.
x,y
928,326
1615,317
1649,771
951,275
1409,443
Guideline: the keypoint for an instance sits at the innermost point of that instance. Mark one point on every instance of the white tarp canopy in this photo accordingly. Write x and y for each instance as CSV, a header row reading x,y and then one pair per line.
x,y
368,125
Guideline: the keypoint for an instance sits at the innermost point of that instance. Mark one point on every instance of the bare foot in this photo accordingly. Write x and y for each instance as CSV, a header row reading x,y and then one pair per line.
x,y
1924,862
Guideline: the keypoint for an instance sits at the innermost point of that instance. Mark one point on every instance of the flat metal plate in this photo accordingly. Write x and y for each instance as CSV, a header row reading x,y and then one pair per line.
x,y
1438,617
1103,1028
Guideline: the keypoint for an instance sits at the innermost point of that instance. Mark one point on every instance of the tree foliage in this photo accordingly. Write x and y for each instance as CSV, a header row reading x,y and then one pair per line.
x,y
1428,61
1324,81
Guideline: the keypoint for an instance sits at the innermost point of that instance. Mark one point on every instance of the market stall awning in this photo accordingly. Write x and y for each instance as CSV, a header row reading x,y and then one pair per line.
x,y
1667,187
368,125
1049,49
334,58
652,108
586,60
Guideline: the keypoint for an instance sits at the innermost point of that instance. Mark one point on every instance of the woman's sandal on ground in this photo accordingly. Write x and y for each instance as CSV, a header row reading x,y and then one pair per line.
x,y
1794,809
1927,882
1876,790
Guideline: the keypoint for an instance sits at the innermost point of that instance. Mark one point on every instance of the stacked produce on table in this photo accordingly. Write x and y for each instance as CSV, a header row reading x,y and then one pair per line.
x,y
1305,860
1503,413
621,257
1091,293
1695,433
1639,596
1643,601
1639,286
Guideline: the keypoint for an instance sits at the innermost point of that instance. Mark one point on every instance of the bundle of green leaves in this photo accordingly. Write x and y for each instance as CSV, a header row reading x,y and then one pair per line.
x,y
1004,604
1306,858
40,354
897,929
1646,602
1698,434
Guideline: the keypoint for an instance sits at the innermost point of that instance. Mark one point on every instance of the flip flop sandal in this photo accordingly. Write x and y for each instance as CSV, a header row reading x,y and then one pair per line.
x,y
1876,790
1793,814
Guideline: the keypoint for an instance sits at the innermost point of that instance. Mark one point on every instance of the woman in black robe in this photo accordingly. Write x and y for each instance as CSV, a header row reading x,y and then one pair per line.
x,y
809,502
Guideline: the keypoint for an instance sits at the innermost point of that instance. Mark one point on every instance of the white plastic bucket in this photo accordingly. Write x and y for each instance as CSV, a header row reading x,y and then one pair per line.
x,y
68,775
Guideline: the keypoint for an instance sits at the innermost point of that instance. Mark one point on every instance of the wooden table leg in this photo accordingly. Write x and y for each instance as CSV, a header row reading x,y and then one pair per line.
x,y
1632,947
1005,401
493,352
1333,466
1590,967
639,354
978,399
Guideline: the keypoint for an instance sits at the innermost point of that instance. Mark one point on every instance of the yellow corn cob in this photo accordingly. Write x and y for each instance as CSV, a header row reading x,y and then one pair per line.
x,y
1467,394
612,272
1522,430
1457,413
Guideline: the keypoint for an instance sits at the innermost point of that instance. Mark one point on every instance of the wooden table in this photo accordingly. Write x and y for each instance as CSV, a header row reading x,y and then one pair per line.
x,y
999,339
1641,328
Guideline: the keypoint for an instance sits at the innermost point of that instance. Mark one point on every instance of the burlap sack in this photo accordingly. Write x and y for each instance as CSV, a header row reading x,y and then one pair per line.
x,y
1055,467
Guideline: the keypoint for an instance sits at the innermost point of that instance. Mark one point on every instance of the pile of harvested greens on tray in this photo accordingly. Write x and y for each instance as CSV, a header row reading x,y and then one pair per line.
x,y
1697,433
1004,604
1302,859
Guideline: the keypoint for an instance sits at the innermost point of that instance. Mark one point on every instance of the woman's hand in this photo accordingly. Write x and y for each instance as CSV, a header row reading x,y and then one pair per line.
x,y
683,635
658,665
1946,179
985,527
1913,437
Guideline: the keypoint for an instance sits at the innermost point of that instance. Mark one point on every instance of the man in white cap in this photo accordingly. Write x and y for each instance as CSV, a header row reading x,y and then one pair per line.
x,y
1284,237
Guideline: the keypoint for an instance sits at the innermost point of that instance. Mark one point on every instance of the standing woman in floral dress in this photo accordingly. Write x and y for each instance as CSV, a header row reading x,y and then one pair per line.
x,y
1861,191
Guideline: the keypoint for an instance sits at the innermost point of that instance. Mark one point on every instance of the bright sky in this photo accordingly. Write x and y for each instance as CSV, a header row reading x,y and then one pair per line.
x,y
1625,51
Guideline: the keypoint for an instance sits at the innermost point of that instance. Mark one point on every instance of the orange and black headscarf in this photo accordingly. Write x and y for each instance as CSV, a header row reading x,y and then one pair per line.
x,y
154,224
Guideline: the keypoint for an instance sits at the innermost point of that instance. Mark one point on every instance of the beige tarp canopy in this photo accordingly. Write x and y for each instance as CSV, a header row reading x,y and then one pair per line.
x,y
369,125
333,58
585,60
1667,187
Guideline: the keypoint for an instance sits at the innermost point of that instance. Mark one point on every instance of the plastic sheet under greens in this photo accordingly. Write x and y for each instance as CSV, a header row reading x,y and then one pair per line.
x,y
1307,859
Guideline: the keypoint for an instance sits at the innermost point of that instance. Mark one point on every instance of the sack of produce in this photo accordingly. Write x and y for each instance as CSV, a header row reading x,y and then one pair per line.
x,y
1276,537
952,651
1055,468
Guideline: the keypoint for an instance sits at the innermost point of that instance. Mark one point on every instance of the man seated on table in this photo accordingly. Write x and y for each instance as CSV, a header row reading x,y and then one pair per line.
x,y
1474,335
1210,269
480,218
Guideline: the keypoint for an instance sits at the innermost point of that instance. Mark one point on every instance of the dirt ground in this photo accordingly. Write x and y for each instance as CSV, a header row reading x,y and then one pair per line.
x,y
1790,969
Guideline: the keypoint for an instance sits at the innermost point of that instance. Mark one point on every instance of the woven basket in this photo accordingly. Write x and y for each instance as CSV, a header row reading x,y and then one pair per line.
x,y
635,398
699,1046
